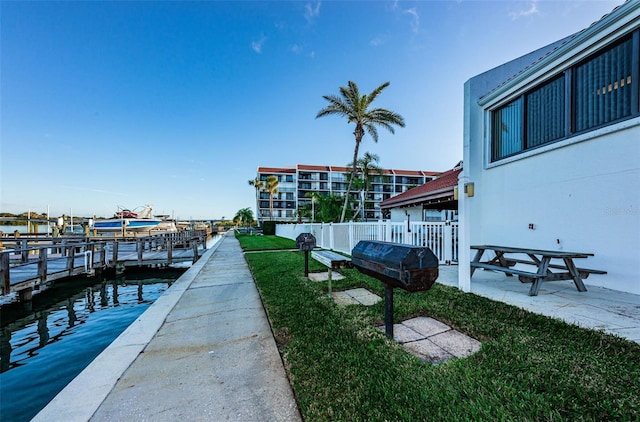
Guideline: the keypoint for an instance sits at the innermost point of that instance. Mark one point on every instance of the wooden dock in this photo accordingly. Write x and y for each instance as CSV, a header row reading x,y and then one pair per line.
x,y
28,264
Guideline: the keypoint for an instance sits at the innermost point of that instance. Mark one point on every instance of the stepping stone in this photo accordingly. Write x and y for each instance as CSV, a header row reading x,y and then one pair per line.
x,y
364,296
356,296
324,276
403,334
432,340
427,350
342,298
426,326
456,343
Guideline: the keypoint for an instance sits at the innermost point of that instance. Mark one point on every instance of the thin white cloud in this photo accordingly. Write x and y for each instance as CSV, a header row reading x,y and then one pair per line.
x,y
299,50
378,40
311,11
415,19
257,45
532,9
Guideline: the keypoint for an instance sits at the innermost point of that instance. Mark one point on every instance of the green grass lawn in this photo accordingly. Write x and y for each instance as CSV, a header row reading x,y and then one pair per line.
x,y
530,367
260,243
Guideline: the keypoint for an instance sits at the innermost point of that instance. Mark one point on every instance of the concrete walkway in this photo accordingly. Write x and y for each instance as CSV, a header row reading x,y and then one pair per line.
x,y
204,351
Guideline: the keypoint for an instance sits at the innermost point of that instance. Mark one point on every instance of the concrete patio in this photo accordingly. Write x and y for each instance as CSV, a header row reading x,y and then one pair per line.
x,y
611,311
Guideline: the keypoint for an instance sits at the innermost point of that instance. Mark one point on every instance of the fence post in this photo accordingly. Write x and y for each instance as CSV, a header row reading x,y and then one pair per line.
x,y
114,255
350,235
24,251
71,255
330,235
447,243
140,250
5,276
194,247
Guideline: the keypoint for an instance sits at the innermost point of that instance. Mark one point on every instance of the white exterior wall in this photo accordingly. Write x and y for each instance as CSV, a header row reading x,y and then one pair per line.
x,y
581,194
400,214
417,214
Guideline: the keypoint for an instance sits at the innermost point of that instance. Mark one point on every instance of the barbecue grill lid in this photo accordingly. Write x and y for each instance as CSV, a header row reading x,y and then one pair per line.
x,y
395,255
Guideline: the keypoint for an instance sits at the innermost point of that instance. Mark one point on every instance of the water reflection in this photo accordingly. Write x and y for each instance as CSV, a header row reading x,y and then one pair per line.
x,y
66,314
5,349
43,330
42,349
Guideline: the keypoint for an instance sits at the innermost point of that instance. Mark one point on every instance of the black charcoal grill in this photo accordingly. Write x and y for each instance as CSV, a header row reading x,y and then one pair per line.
x,y
306,242
408,267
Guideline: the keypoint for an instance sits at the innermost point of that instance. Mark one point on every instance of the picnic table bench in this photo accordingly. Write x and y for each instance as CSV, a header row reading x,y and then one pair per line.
x,y
541,259
332,261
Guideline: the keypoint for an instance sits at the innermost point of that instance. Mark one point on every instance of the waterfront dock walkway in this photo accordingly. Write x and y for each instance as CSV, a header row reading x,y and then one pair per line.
x,y
203,351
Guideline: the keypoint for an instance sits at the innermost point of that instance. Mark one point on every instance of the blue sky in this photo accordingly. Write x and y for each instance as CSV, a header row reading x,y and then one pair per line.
x,y
176,104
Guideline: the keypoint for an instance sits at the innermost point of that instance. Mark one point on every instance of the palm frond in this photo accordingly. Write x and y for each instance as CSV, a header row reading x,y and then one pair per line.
x,y
372,131
381,115
376,92
336,106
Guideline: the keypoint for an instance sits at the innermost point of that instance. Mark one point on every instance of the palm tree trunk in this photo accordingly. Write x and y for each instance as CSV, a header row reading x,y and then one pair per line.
x,y
257,207
359,132
271,205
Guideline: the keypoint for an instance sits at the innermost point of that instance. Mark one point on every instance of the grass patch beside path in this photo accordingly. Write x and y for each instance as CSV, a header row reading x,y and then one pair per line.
x,y
254,242
530,367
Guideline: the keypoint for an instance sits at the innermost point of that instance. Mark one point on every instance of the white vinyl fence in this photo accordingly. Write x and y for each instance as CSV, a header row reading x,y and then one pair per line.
x,y
439,236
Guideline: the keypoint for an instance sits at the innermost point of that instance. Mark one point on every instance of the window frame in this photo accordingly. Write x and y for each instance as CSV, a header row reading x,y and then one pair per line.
x,y
568,74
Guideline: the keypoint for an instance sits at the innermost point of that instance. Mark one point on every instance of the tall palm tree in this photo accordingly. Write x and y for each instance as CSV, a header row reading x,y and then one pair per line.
x,y
271,186
367,165
258,185
355,108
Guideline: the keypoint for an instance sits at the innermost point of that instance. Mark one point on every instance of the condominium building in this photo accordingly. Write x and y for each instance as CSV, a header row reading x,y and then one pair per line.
x,y
295,183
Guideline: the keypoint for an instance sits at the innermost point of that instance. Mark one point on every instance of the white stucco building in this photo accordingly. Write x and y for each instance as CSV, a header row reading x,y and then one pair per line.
x,y
552,151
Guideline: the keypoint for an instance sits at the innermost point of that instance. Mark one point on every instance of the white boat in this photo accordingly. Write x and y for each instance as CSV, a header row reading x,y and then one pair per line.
x,y
126,220
167,224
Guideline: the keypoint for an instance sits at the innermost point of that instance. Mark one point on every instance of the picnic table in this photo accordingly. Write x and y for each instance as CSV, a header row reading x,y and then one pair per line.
x,y
506,257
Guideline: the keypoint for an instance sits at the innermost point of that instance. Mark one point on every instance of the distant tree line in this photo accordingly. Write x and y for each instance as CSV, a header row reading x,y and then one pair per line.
x,y
21,219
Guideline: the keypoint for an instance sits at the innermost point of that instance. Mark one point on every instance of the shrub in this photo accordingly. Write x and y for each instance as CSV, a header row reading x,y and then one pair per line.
x,y
269,228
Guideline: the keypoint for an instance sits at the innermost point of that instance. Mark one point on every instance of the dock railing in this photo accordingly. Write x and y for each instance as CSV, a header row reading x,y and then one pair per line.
x,y
28,264
439,236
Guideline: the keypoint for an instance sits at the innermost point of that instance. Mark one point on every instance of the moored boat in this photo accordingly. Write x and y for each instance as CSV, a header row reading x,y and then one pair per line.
x,y
167,224
127,220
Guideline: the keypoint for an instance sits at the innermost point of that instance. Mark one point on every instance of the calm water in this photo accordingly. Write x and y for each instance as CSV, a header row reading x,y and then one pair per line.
x,y
43,349
42,228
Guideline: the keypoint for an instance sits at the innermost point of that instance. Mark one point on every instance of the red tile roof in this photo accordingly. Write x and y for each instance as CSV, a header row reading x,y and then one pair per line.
x,y
316,168
341,169
276,170
432,189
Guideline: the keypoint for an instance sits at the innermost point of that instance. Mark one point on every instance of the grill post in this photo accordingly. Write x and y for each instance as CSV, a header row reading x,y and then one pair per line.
x,y
408,267
388,310
306,263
